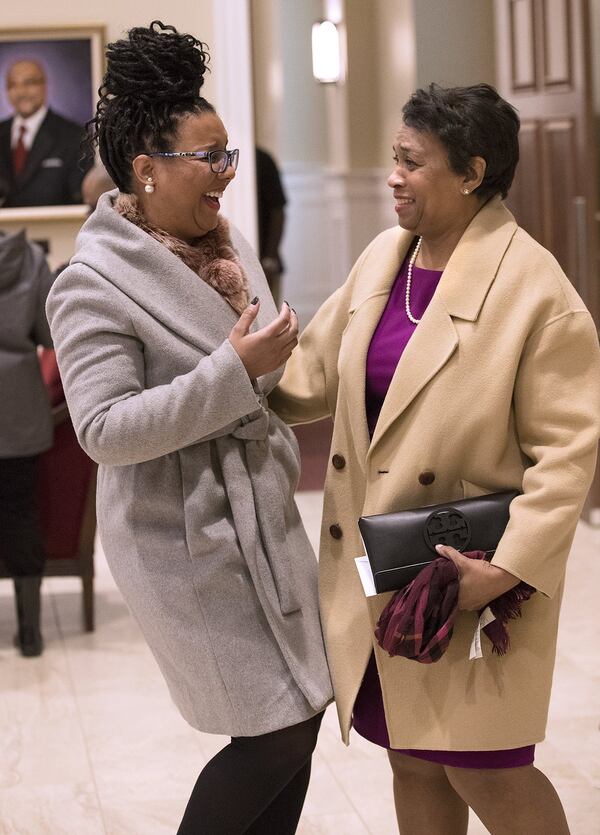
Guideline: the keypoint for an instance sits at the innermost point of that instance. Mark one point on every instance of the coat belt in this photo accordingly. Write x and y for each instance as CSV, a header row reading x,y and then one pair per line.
x,y
254,431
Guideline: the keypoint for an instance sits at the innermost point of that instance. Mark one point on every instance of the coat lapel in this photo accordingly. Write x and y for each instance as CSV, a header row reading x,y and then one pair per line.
x,y
156,279
461,293
429,348
366,308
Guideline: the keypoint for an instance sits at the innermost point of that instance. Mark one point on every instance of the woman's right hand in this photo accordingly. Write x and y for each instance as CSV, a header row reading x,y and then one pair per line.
x,y
270,347
480,581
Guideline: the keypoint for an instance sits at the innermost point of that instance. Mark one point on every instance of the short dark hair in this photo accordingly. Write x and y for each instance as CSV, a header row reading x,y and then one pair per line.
x,y
152,81
470,122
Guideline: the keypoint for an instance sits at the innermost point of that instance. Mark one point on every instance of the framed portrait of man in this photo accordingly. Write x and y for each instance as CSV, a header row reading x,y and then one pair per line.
x,y
49,80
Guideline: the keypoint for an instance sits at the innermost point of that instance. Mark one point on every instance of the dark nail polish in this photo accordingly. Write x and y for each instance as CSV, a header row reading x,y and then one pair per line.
x,y
254,300
288,304
294,312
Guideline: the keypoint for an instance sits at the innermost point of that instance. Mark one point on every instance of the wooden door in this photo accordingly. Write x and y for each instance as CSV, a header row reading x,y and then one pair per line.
x,y
543,65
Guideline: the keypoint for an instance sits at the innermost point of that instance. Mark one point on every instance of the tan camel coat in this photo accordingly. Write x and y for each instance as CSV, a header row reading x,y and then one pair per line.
x,y
498,388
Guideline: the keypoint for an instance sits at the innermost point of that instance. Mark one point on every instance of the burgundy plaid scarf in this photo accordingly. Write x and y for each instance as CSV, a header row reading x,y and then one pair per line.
x,y
418,621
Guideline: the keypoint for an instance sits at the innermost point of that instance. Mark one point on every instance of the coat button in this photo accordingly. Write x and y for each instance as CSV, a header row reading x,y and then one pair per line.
x,y
335,531
339,462
426,477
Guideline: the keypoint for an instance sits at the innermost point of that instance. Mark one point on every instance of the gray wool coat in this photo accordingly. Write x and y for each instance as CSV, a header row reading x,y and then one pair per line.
x,y
196,479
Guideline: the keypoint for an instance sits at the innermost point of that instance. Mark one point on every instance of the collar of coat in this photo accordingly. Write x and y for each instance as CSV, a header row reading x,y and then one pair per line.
x,y
468,274
460,294
212,257
159,282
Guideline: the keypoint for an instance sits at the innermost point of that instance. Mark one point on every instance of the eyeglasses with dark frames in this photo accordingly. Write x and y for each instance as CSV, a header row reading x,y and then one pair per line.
x,y
219,161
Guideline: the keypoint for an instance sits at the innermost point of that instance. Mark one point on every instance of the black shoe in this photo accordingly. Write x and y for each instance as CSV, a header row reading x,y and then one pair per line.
x,y
29,641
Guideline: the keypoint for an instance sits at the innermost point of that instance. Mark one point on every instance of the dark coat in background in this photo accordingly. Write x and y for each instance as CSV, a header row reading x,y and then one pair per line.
x,y
54,169
25,417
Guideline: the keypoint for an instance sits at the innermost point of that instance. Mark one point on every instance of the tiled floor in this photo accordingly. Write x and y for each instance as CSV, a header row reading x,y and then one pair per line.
x,y
91,744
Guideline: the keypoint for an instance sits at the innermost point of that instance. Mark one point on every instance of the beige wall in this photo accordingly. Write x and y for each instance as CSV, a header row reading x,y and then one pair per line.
x,y
303,100
290,106
396,69
304,122
455,42
364,116
393,46
118,16
265,22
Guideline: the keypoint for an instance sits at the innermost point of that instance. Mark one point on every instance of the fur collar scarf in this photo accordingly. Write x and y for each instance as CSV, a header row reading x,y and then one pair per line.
x,y
212,256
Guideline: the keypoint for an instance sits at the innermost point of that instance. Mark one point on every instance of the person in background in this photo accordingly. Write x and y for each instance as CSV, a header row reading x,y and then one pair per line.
x,y
457,360
168,345
40,151
26,424
271,201
95,183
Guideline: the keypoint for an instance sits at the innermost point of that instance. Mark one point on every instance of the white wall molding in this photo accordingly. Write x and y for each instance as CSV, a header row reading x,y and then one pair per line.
x,y
330,217
232,77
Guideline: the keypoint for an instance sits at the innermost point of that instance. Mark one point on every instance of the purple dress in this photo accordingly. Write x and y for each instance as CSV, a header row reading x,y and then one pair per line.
x,y
389,341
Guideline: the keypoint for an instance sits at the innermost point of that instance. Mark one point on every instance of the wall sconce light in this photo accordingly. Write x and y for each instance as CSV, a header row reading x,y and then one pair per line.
x,y
327,61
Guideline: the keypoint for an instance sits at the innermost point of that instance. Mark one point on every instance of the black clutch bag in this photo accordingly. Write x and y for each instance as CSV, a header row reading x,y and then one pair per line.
x,y
399,545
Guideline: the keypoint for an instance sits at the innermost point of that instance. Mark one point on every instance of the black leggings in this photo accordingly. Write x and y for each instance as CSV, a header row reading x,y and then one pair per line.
x,y
21,545
255,786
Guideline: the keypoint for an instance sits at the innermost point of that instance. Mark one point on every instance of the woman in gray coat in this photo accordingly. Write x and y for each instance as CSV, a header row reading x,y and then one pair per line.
x,y
167,368
25,425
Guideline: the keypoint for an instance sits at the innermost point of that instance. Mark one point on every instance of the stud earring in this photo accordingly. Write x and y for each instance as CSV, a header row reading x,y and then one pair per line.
x,y
149,188
465,191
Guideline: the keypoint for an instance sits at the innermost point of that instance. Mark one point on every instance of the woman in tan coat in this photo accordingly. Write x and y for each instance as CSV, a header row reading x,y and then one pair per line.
x,y
456,360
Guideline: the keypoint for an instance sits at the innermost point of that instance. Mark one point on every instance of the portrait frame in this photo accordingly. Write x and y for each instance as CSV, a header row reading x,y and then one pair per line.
x,y
73,58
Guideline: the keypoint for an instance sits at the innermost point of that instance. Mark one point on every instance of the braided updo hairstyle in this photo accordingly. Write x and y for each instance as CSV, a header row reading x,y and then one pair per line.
x,y
152,81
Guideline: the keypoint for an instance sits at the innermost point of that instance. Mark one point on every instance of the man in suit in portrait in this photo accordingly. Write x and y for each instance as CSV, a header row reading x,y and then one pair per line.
x,y
40,151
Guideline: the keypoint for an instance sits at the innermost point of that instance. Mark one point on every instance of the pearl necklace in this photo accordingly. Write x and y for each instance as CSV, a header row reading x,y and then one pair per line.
x,y
411,264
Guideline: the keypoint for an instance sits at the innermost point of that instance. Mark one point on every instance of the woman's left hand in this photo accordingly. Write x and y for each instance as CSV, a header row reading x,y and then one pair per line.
x,y
480,581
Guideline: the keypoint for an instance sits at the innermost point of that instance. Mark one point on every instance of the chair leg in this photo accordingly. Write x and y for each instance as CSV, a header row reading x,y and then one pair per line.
x,y
28,638
88,602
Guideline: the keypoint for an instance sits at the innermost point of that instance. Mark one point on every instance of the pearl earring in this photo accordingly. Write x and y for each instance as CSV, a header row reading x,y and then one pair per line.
x,y
465,191
149,188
